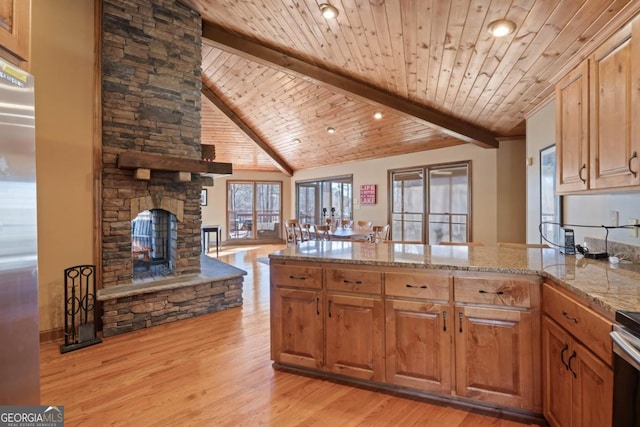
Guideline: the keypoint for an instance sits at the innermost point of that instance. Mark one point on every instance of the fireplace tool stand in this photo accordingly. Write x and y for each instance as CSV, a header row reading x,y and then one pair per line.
x,y
80,308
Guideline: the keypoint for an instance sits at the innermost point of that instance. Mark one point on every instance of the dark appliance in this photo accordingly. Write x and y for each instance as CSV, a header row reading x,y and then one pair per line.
x,y
626,369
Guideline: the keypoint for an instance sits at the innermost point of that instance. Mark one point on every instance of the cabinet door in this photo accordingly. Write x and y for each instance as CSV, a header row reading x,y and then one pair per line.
x,y
592,398
494,357
354,336
556,380
15,30
572,131
418,345
613,145
296,327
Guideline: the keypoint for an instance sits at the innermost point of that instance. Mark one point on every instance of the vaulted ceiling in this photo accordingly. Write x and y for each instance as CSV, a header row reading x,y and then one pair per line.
x,y
276,74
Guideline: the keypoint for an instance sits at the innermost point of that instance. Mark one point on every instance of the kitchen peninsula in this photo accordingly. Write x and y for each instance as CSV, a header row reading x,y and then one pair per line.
x,y
476,325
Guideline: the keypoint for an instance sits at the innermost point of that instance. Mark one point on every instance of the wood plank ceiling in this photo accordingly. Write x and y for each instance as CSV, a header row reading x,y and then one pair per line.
x,y
405,58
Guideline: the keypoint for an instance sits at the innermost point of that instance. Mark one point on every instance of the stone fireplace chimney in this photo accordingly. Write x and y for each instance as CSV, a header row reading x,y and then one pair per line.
x,y
151,104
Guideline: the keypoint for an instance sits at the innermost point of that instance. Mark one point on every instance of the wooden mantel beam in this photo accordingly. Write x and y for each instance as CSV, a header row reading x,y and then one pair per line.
x,y
141,160
222,39
246,129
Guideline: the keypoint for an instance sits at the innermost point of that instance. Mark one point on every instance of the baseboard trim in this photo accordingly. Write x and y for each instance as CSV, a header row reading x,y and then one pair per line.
x,y
51,335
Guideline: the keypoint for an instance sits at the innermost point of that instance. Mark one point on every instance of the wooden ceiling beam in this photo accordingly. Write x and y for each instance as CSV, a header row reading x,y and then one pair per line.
x,y
224,40
246,129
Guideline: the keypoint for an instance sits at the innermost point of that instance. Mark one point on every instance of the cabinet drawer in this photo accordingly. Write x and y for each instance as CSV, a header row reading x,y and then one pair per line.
x,y
417,285
360,281
298,276
584,324
512,292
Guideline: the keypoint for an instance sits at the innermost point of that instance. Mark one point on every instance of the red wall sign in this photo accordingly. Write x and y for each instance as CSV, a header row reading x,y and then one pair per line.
x,y
368,194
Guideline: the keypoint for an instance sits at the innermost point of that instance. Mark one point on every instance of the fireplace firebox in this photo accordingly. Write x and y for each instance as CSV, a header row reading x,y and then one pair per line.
x,y
153,244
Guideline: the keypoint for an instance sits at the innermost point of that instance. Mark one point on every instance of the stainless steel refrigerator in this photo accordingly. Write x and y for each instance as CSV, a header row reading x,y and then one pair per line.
x,y
19,326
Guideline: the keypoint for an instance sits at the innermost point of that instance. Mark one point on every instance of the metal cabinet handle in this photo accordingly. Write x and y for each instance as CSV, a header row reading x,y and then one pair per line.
x,y
318,306
633,156
329,308
460,317
584,166
412,286
566,316
444,320
297,277
357,282
573,356
487,292
564,349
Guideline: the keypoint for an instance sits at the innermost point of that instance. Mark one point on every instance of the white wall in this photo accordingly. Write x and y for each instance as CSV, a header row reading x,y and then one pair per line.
x,y
588,209
484,183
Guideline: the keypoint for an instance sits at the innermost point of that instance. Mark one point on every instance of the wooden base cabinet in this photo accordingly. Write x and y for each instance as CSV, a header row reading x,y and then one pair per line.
x,y
297,332
576,356
419,344
354,336
578,386
494,355
497,339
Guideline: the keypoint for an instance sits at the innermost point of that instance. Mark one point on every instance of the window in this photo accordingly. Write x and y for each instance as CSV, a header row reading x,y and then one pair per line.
x,y
431,203
254,210
325,198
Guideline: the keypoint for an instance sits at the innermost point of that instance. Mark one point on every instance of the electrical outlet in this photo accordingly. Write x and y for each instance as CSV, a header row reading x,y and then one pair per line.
x,y
613,218
633,231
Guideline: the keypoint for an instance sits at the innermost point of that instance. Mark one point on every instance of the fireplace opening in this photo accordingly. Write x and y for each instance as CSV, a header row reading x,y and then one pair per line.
x,y
153,244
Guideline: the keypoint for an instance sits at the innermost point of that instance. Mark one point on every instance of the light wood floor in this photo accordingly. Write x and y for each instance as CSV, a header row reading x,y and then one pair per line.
x,y
215,370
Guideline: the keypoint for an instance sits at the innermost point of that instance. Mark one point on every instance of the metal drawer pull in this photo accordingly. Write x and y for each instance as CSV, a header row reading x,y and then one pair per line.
x,y
565,348
318,306
444,320
566,316
297,277
357,282
412,286
460,317
584,166
495,293
633,156
329,308
573,356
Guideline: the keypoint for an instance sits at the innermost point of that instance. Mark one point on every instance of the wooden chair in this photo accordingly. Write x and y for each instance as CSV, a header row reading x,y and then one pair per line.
x,y
461,243
305,232
346,223
322,232
522,245
364,225
293,232
380,233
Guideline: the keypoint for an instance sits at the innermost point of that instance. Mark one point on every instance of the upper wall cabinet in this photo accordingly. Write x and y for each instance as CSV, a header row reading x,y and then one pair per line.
x,y
615,102
15,31
598,117
572,128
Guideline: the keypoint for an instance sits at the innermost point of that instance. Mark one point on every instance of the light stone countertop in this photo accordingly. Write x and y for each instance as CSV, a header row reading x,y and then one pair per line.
x,y
596,281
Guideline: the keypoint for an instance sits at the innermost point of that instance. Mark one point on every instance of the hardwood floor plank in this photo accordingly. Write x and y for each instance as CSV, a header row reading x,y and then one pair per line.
x,y
215,370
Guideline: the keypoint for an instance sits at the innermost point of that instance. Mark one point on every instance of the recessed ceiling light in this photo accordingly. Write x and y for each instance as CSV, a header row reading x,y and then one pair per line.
x,y
296,140
378,115
501,27
331,130
328,11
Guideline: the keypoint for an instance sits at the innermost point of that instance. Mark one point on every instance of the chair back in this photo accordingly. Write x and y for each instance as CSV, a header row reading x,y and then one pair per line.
x,y
346,223
322,232
380,233
293,232
522,245
364,225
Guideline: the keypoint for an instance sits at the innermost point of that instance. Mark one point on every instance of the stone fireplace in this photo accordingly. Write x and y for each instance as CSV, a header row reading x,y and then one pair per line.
x,y
151,171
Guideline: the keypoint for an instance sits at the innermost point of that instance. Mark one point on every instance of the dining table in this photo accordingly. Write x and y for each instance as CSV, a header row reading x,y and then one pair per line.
x,y
350,234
